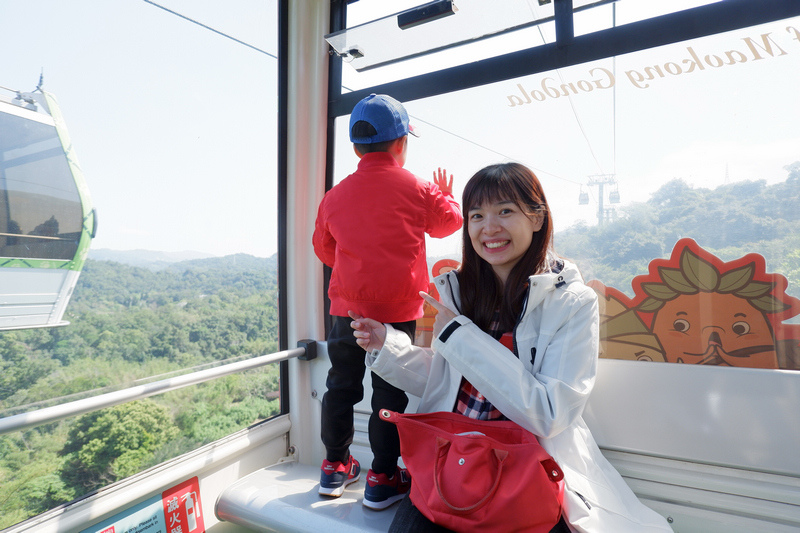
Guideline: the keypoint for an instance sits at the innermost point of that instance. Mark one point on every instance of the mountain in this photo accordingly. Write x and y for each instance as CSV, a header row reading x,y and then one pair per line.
x,y
235,262
151,259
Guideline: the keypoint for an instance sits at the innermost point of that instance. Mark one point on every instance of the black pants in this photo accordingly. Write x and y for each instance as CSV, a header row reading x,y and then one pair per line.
x,y
345,389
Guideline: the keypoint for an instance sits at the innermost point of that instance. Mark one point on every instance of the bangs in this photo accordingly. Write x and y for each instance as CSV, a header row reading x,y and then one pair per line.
x,y
498,185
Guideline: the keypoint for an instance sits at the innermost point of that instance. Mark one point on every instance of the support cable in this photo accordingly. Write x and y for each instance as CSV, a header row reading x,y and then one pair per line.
x,y
211,29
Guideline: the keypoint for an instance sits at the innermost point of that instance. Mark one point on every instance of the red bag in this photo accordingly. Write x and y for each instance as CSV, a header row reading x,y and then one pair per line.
x,y
476,475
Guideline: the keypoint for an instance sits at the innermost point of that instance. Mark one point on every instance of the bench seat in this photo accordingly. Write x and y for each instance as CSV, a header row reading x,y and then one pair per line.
x,y
284,498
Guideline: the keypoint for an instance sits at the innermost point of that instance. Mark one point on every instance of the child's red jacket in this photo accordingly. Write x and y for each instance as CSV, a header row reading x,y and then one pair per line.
x,y
370,230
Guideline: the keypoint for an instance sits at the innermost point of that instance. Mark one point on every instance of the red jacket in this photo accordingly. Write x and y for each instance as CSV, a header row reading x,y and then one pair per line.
x,y
371,230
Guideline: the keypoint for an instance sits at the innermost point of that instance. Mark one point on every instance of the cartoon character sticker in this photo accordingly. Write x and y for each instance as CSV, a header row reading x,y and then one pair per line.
x,y
424,335
695,308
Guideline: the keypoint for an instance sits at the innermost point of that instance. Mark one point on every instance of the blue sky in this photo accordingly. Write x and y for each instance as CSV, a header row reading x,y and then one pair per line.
x,y
174,125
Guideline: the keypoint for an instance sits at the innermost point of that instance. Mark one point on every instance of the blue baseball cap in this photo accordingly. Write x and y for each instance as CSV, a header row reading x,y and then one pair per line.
x,y
385,114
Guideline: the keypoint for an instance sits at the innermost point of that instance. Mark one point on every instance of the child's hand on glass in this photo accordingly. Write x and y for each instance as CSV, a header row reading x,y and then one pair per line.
x,y
440,179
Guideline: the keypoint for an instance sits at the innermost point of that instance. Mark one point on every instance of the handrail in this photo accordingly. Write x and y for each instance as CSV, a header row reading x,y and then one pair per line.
x,y
24,421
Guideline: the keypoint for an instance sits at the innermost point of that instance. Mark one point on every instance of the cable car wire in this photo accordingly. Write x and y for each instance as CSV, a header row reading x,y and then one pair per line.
x,y
211,29
484,147
569,97
504,156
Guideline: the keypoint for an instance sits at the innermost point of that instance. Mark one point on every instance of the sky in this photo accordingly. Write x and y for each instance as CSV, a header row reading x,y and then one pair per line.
x,y
175,126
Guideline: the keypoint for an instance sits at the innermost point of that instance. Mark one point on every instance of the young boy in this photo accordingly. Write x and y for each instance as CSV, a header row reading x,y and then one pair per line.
x,y
370,230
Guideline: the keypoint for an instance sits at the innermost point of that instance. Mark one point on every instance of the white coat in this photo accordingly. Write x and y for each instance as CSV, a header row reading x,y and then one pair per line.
x,y
545,396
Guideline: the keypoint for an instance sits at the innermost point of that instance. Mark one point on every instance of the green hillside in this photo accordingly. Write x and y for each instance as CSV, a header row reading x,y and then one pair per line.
x,y
127,324
729,221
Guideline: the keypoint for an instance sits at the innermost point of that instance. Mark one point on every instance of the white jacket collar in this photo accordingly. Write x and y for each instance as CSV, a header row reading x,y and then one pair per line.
x,y
540,284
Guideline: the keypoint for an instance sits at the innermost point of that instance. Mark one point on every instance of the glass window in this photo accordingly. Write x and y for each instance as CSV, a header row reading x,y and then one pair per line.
x,y
674,182
174,121
40,210
373,42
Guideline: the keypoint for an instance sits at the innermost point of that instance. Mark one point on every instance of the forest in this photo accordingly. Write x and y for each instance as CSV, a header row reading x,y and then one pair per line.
x,y
129,324
729,221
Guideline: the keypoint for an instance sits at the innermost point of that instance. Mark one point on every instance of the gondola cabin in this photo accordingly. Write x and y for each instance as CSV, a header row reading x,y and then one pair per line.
x,y
46,217
698,384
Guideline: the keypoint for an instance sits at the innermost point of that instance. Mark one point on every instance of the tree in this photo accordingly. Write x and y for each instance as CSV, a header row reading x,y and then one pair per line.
x,y
108,445
20,368
794,171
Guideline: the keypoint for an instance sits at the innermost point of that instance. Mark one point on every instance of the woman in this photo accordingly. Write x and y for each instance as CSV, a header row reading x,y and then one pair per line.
x,y
511,282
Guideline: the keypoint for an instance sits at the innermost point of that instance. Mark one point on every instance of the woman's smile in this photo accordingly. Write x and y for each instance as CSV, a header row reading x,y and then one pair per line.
x,y
496,244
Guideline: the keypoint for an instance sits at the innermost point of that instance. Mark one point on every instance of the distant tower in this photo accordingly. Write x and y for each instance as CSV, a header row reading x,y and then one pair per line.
x,y
600,181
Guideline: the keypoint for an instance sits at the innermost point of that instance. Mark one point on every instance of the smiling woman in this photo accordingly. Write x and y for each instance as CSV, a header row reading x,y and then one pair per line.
x,y
512,283
501,233
502,222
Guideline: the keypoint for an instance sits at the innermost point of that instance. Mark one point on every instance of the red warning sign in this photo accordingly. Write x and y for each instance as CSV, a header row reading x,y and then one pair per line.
x,y
182,508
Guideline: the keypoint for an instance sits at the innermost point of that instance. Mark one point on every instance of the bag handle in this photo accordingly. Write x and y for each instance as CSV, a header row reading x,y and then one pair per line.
x,y
442,445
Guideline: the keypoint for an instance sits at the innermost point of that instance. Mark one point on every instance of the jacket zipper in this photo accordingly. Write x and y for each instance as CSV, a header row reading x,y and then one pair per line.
x,y
452,293
514,331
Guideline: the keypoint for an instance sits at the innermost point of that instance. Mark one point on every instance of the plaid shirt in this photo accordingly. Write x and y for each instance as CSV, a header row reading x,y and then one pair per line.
x,y
470,402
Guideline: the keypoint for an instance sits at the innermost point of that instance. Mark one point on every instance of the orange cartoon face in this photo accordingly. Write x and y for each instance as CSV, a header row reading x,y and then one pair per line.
x,y
696,308
715,329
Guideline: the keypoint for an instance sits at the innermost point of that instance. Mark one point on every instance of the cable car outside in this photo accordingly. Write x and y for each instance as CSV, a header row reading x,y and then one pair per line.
x,y
46,217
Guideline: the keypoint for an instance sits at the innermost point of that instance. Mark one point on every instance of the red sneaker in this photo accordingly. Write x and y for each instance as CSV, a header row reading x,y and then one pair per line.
x,y
336,476
382,490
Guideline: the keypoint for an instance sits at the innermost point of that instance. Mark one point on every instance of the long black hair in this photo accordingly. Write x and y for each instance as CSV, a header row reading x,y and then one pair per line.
x,y
482,292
